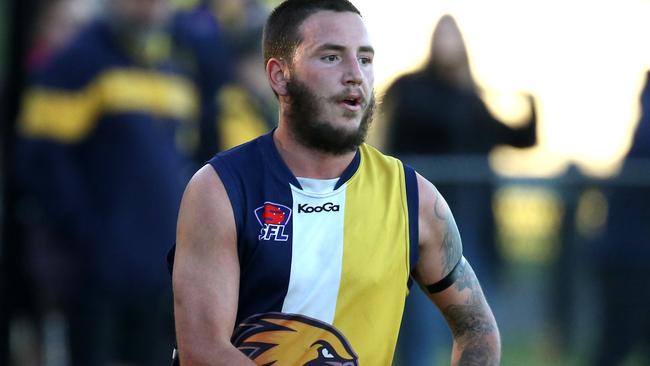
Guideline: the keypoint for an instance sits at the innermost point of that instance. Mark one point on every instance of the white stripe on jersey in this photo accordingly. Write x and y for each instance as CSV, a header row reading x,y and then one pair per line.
x,y
317,253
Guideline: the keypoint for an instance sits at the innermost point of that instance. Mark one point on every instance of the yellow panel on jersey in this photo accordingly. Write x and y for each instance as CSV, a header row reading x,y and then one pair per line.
x,y
69,116
375,267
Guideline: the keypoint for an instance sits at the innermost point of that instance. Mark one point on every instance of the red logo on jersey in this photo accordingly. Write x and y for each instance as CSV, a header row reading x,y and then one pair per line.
x,y
273,217
273,214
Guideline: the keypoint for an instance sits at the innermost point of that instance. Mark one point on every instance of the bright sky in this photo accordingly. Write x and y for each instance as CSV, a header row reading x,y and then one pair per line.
x,y
584,61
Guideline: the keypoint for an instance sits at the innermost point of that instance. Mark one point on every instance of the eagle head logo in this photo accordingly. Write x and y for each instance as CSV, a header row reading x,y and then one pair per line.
x,y
280,339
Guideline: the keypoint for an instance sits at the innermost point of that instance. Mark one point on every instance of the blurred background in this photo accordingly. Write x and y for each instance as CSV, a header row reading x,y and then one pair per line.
x,y
531,117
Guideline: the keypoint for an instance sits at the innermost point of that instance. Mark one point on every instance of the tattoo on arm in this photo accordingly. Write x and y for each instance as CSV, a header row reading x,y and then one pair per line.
x,y
451,246
471,321
476,355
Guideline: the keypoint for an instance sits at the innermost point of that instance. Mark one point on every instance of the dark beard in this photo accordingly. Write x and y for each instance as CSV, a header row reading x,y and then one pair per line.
x,y
303,122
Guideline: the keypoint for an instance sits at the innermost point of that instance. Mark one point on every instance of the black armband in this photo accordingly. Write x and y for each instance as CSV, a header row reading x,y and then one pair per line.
x,y
449,279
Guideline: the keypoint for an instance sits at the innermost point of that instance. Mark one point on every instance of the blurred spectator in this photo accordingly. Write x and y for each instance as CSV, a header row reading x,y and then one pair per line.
x,y
97,148
438,110
240,17
224,57
37,272
201,47
622,256
248,107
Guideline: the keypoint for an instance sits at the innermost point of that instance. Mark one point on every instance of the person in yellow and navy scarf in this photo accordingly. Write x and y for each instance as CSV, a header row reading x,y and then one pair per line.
x,y
107,132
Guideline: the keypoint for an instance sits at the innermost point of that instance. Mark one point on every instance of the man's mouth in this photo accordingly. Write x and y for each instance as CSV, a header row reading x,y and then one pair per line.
x,y
353,103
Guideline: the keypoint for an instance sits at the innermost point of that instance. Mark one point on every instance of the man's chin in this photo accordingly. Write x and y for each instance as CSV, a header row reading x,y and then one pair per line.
x,y
353,116
333,137
347,126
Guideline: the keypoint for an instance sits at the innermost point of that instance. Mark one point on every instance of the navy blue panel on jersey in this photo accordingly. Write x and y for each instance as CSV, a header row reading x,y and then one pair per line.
x,y
412,197
263,218
350,170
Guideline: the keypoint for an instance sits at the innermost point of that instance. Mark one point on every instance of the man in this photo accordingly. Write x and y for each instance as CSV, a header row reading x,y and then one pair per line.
x,y
302,241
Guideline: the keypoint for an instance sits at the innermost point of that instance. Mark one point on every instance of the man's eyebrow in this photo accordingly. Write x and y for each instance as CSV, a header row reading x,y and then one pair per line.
x,y
367,49
338,47
330,47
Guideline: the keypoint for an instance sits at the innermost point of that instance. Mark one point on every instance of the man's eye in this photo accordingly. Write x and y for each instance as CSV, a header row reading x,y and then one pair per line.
x,y
365,60
330,58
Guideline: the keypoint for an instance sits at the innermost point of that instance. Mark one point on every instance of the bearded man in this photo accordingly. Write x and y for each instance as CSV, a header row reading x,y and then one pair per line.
x,y
298,248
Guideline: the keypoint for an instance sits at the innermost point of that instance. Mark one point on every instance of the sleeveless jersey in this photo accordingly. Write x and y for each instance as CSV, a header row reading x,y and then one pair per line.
x,y
323,276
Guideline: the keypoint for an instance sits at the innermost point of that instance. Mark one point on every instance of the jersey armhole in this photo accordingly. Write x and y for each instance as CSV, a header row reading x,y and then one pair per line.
x,y
413,203
233,190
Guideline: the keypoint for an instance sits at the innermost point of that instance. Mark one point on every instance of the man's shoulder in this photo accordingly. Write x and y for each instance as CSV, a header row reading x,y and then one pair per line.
x,y
373,154
388,164
245,151
245,160
385,166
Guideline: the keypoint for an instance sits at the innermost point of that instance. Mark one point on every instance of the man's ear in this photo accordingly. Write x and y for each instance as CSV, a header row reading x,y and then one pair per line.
x,y
277,72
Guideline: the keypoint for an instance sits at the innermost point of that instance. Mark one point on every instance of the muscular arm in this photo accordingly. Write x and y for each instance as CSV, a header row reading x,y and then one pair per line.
x,y
474,329
206,274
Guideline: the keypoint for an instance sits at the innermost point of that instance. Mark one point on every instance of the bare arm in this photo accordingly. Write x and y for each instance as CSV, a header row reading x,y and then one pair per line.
x,y
474,329
206,274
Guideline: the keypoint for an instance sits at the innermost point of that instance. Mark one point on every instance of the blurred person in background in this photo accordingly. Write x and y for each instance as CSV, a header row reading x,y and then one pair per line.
x,y
104,149
40,272
438,110
247,106
203,50
622,257
240,17
219,42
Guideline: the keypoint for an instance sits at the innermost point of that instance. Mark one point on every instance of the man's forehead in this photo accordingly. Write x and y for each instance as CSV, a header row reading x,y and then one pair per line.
x,y
330,27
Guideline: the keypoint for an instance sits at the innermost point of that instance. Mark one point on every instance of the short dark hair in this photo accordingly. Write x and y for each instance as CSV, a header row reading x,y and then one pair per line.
x,y
281,36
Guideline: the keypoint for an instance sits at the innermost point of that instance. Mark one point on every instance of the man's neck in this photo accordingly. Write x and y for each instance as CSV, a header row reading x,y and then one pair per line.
x,y
306,162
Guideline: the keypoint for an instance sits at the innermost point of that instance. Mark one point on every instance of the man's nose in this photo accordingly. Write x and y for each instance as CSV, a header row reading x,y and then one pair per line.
x,y
353,74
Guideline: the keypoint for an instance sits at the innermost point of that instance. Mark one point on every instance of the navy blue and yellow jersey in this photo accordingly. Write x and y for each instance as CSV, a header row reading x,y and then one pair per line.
x,y
323,273
99,136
